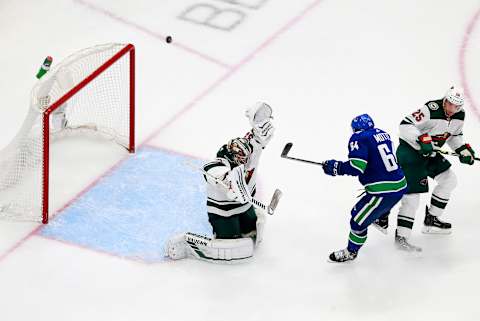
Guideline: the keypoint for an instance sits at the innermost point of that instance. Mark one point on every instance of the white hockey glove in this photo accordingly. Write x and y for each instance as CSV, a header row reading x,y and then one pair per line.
x,y
260,116
238,190
264,132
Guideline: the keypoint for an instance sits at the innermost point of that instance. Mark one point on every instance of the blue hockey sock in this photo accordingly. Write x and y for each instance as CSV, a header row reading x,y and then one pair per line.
x,y
356,239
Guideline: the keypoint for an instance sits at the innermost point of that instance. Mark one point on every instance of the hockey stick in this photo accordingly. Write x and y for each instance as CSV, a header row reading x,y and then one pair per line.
x,y
446,152
287,148
273,202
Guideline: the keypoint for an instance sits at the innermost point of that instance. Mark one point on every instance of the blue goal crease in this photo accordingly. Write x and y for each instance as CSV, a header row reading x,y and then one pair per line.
x,y
134,211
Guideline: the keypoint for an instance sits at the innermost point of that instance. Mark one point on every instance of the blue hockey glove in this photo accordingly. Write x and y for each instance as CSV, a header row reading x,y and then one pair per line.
x,y
332,167
466,154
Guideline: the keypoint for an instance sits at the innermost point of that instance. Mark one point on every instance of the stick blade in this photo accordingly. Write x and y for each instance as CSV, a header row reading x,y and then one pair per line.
x,y
286,149
274,202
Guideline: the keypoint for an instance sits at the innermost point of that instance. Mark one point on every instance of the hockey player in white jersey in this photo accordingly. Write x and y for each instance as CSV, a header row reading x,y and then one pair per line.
x,y
231,184
421,132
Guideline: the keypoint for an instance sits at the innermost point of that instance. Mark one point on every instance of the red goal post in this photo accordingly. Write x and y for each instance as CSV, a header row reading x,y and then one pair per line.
x,y
92,90
129,49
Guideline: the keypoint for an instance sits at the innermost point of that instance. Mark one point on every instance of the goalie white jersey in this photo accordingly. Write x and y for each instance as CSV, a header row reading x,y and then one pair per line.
x,y
219,198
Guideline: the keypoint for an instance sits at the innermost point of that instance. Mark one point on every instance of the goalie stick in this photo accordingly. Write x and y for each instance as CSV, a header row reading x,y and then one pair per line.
x,y
287,148
273,202
446,152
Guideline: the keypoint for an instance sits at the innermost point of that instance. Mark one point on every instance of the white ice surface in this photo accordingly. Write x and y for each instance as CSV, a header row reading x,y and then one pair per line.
x,y
318,63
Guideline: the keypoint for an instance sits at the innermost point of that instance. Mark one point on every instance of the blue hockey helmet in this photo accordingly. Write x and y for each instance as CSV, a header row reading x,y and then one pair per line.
x,y
362,122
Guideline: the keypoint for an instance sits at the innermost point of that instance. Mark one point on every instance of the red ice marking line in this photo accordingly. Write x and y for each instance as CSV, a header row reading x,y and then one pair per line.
x,y
20,242
171,151
463,63
151,33
282,30
189,106
60,210
234,69
89,187
199,97
133,259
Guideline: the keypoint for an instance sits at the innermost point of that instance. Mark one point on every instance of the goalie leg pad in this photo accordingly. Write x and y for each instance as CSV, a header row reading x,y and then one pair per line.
x,y
219,250
176,248
261,218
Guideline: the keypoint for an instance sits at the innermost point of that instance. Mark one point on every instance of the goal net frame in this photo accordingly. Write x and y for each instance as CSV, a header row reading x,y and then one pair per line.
x,y
126,109
129,49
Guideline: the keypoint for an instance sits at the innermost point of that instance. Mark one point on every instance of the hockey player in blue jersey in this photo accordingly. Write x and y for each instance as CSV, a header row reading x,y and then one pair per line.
x,y
372,159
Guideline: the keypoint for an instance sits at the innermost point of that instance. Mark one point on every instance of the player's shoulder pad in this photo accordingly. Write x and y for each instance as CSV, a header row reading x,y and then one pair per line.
x,y
357,140
355,137
460,115
424,113
217,163
380,136
364,134
434,105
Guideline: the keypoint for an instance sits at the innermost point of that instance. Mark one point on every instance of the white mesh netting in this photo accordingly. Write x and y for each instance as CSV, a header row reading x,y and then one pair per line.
x,y
100,108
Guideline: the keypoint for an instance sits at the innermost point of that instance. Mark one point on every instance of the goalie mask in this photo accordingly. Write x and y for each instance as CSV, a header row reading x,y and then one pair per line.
x,y
362,122
239,150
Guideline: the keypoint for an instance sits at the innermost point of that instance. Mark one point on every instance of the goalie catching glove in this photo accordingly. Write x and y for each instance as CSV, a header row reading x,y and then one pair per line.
x,y
466,154
260,116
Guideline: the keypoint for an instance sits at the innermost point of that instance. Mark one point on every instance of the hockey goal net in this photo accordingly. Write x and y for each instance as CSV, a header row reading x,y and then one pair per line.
x,y
91,91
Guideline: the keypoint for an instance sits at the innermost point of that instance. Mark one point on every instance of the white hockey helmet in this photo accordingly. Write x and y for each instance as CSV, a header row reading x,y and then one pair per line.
x,y
455,96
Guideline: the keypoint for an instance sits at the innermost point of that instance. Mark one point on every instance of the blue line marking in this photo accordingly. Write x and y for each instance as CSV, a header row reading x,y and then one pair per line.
x,y
134,211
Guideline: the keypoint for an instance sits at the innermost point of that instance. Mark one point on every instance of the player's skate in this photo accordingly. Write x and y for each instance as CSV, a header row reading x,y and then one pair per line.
x,y
432,225
176,248
342,256
402,244
381,224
